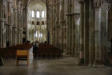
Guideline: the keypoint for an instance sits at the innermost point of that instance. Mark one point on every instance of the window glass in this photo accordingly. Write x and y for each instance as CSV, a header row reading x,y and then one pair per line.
x,y
33,14
38,14
43,14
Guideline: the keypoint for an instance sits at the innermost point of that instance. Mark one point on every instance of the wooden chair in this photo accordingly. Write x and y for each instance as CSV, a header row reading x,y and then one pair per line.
x,y
22,55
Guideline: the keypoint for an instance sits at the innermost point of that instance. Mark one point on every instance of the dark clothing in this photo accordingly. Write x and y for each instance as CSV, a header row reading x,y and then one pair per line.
x,y
1,62
7,43
35,51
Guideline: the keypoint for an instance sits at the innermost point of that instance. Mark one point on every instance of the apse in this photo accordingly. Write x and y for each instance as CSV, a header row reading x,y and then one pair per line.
x,y
37,28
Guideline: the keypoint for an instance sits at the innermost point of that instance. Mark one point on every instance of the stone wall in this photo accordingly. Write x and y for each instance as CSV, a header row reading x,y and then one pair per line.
x,y
90,37
12,22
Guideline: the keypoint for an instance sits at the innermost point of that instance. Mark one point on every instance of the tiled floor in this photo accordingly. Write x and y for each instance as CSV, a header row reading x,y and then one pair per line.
x,y
62,66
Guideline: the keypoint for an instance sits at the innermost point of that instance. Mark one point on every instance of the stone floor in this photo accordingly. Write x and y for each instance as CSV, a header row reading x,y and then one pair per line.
x,y
62,66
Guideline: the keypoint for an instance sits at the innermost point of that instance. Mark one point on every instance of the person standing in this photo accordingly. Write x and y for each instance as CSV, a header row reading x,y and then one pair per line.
x,y
35,49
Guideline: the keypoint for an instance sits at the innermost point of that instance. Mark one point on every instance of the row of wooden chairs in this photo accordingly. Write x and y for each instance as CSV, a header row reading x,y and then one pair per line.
x,y
46,50
11,51
20,52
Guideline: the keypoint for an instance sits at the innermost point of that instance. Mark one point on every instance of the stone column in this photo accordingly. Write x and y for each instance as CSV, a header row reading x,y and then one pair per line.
x,y
97,34
16,24
86,32
63,24
13,36
49,22
21,35
4,35
91,34
65,31
7,33
0,37
110,23
110,29
69,27
57,24
2,30
104,30
81,26
53,23
2,25
15,40
73,28
10,36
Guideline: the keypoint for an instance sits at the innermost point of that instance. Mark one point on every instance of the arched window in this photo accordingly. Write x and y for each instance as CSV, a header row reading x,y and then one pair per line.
x,y
38,14
43,14
33,14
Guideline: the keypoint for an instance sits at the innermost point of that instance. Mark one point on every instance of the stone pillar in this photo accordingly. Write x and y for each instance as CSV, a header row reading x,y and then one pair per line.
x,y
2,30
50,22
13,36
104,30
86,32
70,26
10,36
97,34
7,33
0,37
2,25
91,34
4,35
57,24
21,35
110,29
110,23
15,40
53,24
73,28
63,24
81,27
69,23
65,31
14,26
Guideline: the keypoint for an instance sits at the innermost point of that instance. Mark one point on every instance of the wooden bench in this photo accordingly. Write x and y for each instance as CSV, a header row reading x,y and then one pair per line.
x,y
22,55
46,50
10,52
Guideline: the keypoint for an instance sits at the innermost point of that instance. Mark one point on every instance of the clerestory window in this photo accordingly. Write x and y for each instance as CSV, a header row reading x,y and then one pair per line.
x,y
38,14
33,14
